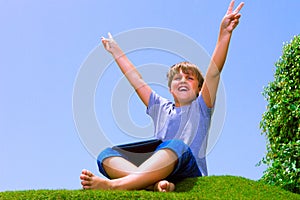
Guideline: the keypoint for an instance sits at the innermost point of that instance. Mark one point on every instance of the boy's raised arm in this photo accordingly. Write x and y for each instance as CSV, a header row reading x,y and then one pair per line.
x,y
212,78
128,69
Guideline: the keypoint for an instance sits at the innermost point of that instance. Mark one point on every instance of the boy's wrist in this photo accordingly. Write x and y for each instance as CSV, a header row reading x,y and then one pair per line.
x,y
224,35
117,52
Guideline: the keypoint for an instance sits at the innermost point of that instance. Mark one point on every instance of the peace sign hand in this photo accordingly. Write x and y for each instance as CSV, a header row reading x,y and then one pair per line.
x,y
111,46
108,43
231,19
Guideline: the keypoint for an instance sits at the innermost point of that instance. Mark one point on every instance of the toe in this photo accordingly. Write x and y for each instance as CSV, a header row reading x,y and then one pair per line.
x,y
87,173
163,186
84,177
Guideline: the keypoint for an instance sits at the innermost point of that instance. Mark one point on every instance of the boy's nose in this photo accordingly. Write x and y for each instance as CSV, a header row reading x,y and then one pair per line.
x,y
183,79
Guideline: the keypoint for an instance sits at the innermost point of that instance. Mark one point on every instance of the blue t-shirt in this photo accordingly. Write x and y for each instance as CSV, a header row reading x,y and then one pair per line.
x,y
188,123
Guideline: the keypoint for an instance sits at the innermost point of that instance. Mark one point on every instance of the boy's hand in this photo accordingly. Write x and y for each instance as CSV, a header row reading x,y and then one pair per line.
x,y
231,19
111,46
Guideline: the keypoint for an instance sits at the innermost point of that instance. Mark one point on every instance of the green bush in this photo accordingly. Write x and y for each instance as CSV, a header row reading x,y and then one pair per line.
x,y
281,121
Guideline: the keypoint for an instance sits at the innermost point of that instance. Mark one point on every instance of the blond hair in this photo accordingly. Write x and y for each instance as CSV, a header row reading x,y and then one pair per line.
x,y
187,68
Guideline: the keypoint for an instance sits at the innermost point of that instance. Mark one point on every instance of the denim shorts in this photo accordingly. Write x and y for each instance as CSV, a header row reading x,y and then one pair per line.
x,y
186,166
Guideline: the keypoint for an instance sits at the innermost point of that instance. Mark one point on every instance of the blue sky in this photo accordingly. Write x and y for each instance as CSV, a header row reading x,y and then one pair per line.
x,y
45,43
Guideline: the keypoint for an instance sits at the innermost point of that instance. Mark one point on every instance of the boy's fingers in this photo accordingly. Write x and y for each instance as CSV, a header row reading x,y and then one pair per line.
x,y
231,16
106,41
239,7
110,36
230,7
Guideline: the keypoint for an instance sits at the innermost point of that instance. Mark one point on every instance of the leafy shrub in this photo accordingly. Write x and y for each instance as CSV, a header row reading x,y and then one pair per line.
x,y
281,121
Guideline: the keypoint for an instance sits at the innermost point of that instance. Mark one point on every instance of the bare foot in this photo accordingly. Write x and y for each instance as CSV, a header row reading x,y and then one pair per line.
x,y
90,181
164,186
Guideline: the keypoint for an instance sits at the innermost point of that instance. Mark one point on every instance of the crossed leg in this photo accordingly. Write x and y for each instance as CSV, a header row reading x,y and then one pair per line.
x,y
126,176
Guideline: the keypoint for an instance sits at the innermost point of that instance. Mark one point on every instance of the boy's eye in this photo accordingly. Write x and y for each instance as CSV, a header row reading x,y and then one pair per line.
x,y
176,78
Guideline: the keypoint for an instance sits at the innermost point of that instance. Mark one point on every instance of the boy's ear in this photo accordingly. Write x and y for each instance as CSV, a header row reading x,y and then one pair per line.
x,y
200,88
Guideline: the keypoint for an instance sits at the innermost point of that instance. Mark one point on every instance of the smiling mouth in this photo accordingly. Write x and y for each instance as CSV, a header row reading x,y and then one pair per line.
x,y
183,89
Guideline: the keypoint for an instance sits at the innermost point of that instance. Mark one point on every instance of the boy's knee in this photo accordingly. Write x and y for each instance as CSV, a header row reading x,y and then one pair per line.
x,y
103,154
178,146
106,153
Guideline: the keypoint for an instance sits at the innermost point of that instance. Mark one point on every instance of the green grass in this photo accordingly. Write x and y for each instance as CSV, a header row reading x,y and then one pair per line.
x,y
212,187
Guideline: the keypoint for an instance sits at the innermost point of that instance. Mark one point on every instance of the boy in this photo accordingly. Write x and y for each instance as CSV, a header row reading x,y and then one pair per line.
x,y
182,126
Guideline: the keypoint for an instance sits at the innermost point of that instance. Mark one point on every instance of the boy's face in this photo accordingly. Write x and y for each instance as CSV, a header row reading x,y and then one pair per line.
x,y
184,88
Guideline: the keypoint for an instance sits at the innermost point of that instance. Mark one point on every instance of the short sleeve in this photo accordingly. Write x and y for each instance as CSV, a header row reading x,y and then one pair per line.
x,y
206,111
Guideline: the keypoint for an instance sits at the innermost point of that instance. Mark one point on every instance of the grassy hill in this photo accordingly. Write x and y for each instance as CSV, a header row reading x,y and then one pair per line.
x,y
212,187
